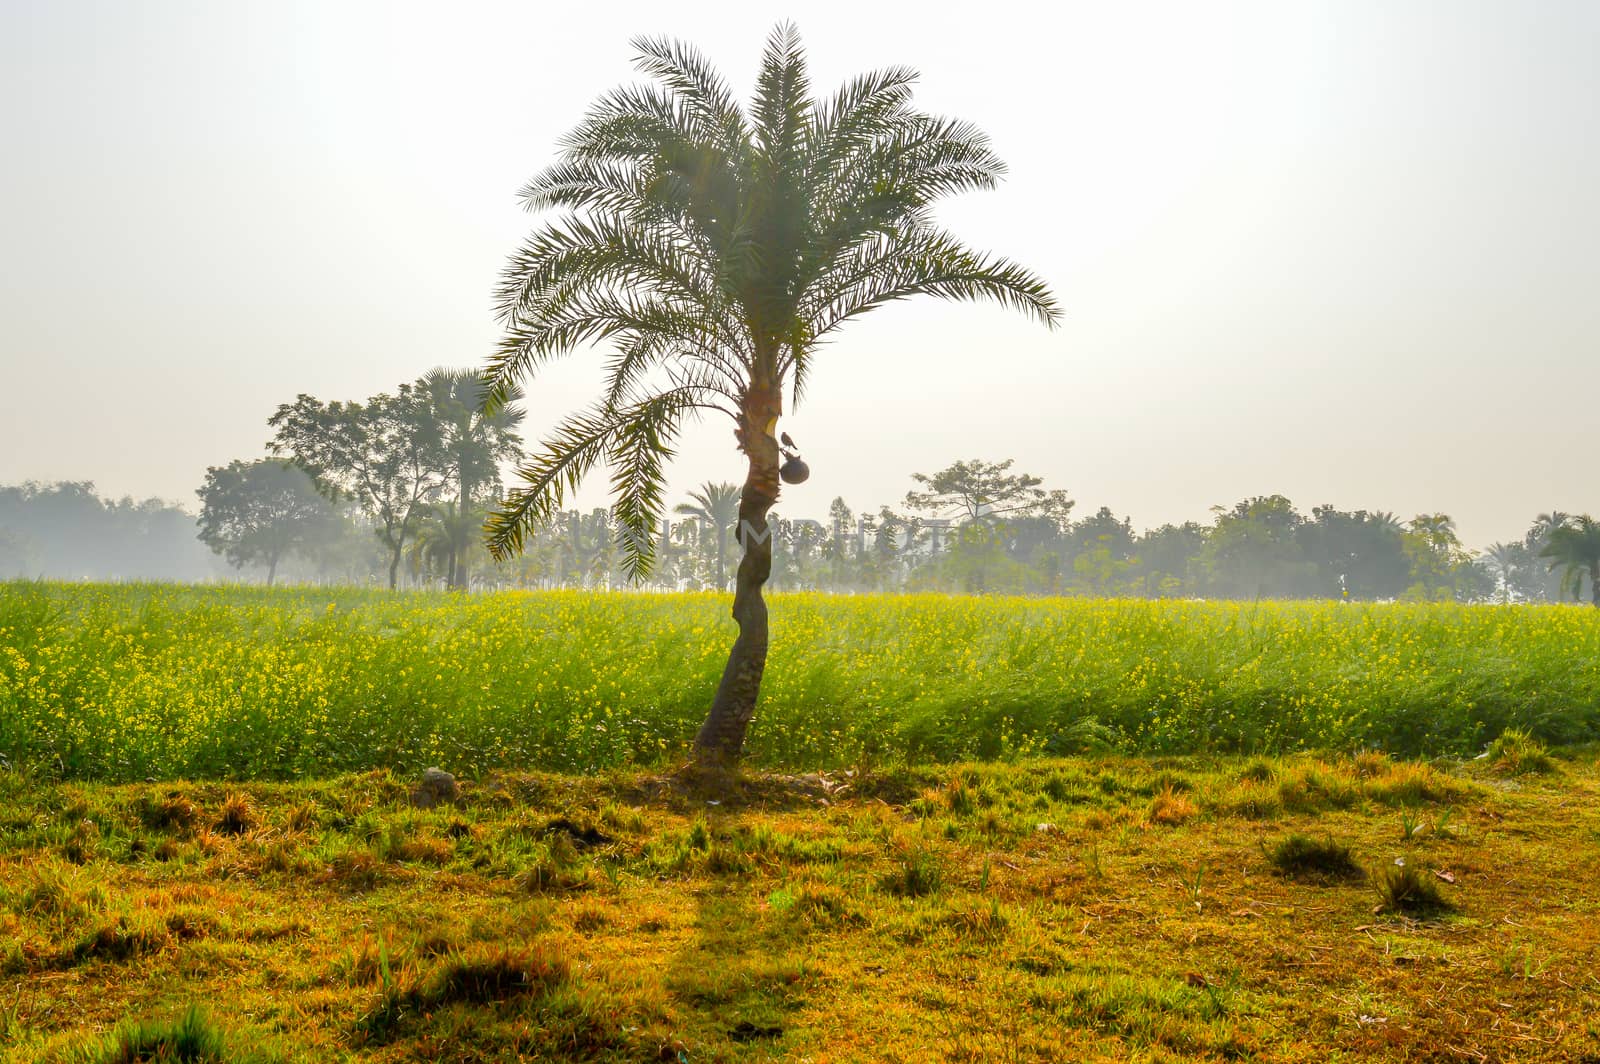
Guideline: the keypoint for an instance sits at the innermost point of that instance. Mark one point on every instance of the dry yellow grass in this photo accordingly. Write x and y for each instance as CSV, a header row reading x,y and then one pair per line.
x,y
1042,911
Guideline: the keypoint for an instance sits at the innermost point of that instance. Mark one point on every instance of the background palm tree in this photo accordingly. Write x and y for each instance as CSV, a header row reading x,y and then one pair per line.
x,y
717,506
1506,561
478,440
445,540
1574,545
716,247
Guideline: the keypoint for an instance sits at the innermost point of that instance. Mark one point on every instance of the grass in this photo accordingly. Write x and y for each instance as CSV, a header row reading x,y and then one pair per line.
x,y
1405,890
128,682
1306,858
1035,911
1515,752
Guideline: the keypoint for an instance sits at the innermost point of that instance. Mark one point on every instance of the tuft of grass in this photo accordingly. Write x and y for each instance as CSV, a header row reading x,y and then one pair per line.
x,y
117,941
238,816
483,976
1259,770
192,1038
1303,857
302,816
918,872
1370,764
1405,891
171,813
480,976
1517,753
1171,806
356,869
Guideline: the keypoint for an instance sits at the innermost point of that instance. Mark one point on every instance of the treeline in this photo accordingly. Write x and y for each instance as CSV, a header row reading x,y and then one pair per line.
x,y
395,490
985,531
68,531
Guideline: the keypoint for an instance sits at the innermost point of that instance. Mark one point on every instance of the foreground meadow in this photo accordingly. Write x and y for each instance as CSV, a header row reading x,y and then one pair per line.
x,y
1291,909
131,682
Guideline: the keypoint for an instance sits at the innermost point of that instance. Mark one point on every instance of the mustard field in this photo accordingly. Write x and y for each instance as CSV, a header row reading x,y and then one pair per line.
x,y
128,682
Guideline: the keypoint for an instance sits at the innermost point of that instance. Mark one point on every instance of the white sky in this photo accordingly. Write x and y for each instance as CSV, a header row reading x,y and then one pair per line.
x,y
1341,251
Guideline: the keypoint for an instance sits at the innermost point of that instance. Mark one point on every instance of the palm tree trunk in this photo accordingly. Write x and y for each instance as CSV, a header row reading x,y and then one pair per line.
x,y
1594,582
721,738
458,556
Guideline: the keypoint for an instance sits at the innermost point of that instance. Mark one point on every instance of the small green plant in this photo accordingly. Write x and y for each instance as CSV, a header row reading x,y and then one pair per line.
x,y
916,874
1520,963
699,836
1192,887
1410,825
1303,857
1405,891
961,799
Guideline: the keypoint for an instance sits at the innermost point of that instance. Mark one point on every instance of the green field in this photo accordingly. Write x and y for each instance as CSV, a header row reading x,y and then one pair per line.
x,y
109,682
129,682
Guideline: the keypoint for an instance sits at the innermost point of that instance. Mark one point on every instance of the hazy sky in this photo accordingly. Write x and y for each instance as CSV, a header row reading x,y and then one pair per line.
x,y
1345,251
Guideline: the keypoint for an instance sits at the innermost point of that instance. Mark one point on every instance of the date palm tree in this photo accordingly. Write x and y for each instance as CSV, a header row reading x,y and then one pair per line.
x,y
715,248
1574,545
1506,562
477,442
717,507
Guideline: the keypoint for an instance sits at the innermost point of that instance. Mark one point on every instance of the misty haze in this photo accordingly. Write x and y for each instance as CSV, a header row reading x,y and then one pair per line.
x,y
635,534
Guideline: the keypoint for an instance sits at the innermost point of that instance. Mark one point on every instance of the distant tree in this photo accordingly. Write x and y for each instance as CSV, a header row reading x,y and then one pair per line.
x,y
1102,530
1358,555
1574,546
718,247
979,490
65,530
716,507
1547,583
978,562
387,455
1509,564
1441,567
16,554
1255,552
1166,555
840,546
444,541
257,513
477,442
